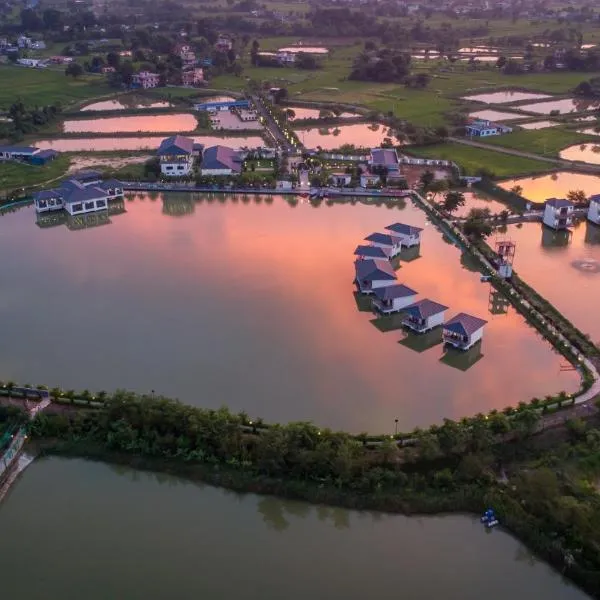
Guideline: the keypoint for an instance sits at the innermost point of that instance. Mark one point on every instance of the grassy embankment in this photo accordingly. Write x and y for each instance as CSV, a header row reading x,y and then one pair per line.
x,y
16,175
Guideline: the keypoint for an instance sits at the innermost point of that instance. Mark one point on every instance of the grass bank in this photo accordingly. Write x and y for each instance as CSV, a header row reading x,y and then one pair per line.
x,y
14,175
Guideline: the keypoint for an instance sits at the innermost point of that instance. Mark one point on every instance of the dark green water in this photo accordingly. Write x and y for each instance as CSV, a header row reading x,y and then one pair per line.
x,y
77,530
251,305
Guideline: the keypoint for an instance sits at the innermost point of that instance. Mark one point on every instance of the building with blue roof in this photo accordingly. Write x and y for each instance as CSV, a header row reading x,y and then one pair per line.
x,y
409,234
176,155
221,160
224,105
372,274
424,315
387,241
364,252
463,331
393,298
558,213
593,213
484,128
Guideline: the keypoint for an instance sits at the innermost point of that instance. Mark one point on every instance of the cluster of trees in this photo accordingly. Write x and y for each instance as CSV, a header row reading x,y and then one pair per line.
x,y
589,88
27,119
383,66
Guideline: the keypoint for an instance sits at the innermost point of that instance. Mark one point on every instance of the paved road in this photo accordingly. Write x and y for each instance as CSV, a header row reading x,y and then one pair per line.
x,y
556,161
271,126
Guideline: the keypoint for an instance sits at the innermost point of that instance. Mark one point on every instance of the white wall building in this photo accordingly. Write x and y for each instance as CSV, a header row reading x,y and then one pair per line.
x,y
387,241
463,331
558,213
373,274
593,214
393,298
409,235
424,315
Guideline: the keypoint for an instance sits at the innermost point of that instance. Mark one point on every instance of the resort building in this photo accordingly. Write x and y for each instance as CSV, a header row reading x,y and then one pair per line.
x,y
225,105
340,179
376,252
393,298
463,331
221,160
483,128
558,213
145,80
78,197
407,234
386,158
373,274
424,315
369,179
392,243
192,77
176,155
29,154
593,214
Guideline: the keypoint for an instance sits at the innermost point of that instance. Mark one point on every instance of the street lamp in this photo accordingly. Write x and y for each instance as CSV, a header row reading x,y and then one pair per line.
x,y
396,427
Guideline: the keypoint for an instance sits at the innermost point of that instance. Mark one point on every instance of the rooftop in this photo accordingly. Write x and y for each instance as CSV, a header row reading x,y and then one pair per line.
x,y
404,229
374,269
397,290
176,145
18,149
423,309
464,324
382,238
222,157
384,156
372,252
559,202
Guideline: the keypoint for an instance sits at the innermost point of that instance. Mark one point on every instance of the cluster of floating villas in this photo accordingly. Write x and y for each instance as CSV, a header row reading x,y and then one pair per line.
x,y
376,276
558,212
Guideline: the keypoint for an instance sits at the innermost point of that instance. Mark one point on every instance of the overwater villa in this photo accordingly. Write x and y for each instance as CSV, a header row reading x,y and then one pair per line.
x,y
79,195
408,234
463,331
387,241
393,298
593,214
558,213
378,252
372,274
424,315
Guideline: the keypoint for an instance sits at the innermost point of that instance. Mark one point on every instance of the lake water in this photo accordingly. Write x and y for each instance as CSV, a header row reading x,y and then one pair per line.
x,y
479,50
589,153
485,59
479,200
566,105
564,269
152,123
107,144
589,131
125,102
313,113
495,115
505,96
554,185
362,135
251,305
307,49
77,529
539,125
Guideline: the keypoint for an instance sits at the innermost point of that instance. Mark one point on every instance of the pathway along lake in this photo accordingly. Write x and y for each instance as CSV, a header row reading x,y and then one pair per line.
x,y
249,302
76,529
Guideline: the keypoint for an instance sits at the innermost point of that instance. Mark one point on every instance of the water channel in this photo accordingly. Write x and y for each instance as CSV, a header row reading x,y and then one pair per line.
x,y
249,302
589,153
363,135
554,185
505,96
181,122
76,529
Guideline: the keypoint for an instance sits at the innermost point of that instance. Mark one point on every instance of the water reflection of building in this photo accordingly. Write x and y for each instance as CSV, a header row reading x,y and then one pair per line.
x,y
555,239
178,205
84,221
497,303
420,342
461,360
592,234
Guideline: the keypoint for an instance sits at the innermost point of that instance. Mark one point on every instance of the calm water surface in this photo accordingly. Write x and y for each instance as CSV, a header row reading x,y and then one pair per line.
x,y
362,135
479,200
566,105
314,113
564,269
309,49
539,125
251,305
505,96
495,115
140,143
125,102
173,122
75,529
554,185
589,153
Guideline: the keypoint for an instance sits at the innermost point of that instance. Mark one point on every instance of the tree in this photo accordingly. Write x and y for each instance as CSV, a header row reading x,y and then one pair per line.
x,y
113,59
477,225
438,186
74,70
577,197
452,200
517,190
306,61
52,18
427,178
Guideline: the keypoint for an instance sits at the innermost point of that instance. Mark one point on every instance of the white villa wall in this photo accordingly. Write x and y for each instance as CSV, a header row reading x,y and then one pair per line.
x,y
87,207
435,320
594,213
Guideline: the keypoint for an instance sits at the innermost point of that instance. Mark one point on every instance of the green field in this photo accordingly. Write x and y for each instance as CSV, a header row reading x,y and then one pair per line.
x,y
473,160
46,86
16,175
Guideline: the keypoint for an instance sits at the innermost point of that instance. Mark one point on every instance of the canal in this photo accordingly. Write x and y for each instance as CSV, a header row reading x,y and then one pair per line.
x,y
249,302
75,529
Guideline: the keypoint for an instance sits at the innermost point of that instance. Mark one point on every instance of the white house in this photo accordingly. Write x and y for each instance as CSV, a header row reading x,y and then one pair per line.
x,y
145,79
376,252
593,214
483,128
424,315
368,179
387,241
463,331
340,179
176,155
78,197
393,298
408,234
372,274
558,213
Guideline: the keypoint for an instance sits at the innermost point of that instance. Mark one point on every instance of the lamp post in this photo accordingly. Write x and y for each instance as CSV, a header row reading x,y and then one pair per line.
x,y
396,427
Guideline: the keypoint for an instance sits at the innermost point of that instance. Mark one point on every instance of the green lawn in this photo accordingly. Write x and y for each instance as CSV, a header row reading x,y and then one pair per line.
x,y
546,142
472,160
46,86
16,175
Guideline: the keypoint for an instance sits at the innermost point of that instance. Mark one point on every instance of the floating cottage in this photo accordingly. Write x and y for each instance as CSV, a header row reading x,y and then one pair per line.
x,y
372,274
593,214
424,315
79,195
387,241
463,331
376,252
408,234
393,298
558,213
